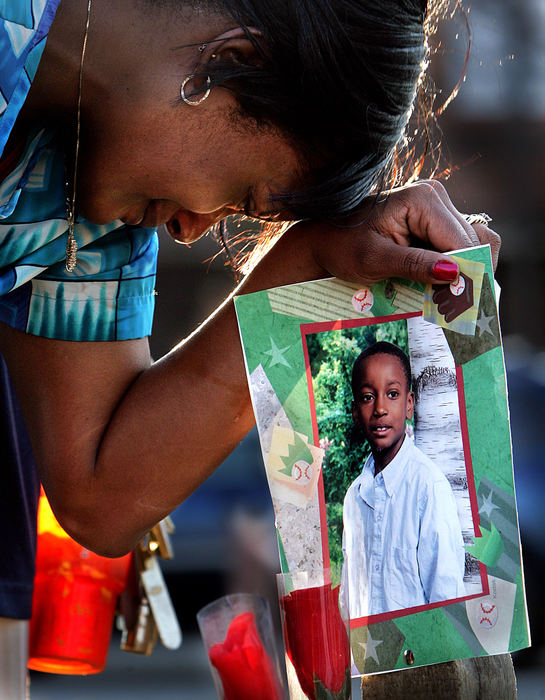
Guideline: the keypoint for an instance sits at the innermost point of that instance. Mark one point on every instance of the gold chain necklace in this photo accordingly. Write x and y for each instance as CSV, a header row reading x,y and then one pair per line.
x,y
71,243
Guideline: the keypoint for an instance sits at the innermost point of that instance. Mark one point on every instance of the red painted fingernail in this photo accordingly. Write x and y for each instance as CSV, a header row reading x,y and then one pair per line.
x,y
445,270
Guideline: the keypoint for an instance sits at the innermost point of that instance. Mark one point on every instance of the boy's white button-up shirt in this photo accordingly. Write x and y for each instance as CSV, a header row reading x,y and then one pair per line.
x,y
402,541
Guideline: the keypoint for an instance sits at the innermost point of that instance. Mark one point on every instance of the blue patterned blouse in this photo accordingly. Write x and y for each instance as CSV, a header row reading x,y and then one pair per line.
x,y
110,294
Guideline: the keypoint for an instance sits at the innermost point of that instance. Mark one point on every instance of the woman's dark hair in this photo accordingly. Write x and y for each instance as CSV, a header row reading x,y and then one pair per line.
x,y
339,77
381,348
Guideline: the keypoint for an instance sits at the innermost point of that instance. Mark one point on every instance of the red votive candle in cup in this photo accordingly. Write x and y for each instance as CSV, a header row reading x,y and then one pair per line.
x,y
75,596
238,635
315,627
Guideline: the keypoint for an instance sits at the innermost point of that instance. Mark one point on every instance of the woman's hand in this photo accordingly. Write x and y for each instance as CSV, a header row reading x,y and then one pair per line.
x,y
381,245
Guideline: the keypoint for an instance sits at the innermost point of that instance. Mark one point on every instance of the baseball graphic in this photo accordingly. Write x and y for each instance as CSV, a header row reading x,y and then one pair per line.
x,y
459,287
487,613
301,472
362,300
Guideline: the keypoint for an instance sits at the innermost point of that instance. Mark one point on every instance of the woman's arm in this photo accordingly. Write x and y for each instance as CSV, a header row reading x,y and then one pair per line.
x,y
120,442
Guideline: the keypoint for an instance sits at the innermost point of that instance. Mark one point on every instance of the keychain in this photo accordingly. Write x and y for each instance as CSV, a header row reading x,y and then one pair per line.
x,y
146,610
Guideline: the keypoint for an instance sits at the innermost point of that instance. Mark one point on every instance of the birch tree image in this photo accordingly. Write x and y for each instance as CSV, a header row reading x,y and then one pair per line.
x,y
437,430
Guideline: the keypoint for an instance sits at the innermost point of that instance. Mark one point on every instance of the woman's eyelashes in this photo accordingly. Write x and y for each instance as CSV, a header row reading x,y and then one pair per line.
x,y
250,209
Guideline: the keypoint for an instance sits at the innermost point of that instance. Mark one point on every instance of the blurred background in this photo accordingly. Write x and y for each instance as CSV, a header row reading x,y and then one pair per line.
x,y
493,136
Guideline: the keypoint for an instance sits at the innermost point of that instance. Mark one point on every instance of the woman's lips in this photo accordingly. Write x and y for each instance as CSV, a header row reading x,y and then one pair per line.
x,y
157,212
132,219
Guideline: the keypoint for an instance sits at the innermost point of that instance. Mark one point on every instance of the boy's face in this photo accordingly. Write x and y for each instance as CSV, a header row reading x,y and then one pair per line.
x,y
381,404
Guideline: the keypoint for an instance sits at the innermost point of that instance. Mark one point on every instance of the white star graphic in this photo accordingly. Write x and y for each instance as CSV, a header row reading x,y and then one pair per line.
x,y
484,324
370,647
277,354
487,506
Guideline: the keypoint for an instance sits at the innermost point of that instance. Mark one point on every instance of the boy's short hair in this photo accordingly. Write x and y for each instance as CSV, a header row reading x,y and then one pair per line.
x,y
382,348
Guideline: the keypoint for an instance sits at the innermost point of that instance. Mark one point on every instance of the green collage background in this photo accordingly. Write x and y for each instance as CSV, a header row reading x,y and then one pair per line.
x,y
274,341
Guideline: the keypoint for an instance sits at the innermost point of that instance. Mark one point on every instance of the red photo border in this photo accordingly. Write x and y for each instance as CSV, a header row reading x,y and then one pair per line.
x,y
324,326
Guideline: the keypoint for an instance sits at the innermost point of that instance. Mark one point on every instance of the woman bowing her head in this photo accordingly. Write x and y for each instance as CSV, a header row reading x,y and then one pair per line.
x,y
118,117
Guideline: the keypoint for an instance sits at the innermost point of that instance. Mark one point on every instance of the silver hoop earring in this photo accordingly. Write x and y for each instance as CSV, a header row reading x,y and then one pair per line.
x,y
200,99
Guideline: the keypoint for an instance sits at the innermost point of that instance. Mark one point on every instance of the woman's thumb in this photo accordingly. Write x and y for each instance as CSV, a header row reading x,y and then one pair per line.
x,y
421,265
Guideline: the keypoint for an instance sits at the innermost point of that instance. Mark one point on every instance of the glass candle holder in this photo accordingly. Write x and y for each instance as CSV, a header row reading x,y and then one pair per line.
x,y
316,630
73,607
238,634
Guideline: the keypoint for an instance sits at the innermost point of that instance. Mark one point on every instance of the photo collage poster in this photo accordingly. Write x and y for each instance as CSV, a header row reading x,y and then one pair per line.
x,y
427,551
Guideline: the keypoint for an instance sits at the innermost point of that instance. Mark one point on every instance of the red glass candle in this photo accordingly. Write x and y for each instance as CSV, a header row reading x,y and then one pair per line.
x,y
73,608
316,633
317,642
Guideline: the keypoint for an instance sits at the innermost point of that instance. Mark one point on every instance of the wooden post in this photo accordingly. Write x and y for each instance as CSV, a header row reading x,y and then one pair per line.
x,y
482,678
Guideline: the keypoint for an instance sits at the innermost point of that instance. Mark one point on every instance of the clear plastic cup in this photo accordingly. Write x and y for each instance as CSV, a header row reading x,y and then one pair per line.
x,y
238,634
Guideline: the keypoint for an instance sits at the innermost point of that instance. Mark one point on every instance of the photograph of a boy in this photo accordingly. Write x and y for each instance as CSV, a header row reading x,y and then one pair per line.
x,y
402,541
